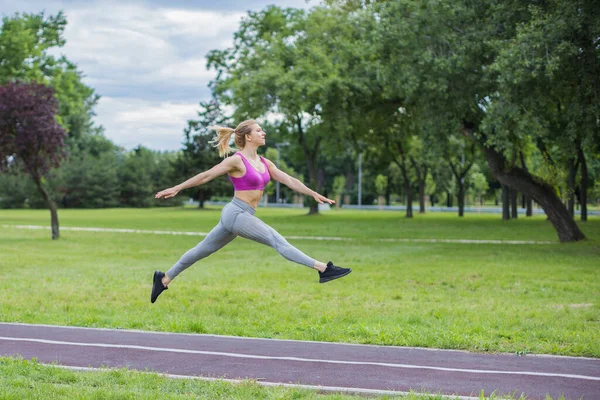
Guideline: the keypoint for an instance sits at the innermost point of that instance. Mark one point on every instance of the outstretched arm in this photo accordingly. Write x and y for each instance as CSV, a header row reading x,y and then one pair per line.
x,y
295,184
222,168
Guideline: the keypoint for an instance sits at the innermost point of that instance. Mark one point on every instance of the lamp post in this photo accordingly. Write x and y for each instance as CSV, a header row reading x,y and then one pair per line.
x,y
279,145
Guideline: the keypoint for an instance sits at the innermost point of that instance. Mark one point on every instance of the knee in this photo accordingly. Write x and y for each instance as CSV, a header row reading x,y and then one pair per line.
x,y
281,245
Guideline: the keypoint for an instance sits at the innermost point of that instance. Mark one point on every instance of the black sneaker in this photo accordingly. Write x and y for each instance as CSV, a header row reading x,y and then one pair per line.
x,y
157,286
332,272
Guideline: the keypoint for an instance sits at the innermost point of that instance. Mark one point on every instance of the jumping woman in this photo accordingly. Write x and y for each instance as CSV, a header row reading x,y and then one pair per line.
x,y
249,174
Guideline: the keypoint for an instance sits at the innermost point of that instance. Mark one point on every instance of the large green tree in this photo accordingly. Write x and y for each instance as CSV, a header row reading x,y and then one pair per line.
x,y
549,79
291,63
26,44
440,59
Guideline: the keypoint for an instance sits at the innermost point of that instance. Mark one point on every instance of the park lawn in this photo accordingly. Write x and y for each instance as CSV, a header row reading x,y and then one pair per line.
x,y
366,224
541,298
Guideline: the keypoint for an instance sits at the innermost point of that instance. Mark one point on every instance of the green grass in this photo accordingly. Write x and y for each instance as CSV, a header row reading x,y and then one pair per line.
x,y
478,297
346,223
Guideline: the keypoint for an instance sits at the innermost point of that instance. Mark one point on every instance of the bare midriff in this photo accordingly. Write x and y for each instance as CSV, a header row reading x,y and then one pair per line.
x,y
251,197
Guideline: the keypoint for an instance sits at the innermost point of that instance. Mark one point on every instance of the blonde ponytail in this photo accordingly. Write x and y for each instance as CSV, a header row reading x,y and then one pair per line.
x,y
221,140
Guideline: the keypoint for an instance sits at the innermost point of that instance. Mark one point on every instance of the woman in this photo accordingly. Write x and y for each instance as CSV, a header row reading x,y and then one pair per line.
x,y
249,174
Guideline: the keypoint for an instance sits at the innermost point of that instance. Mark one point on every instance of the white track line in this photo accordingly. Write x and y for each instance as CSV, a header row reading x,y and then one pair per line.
x,y
310,360
332,238
334,389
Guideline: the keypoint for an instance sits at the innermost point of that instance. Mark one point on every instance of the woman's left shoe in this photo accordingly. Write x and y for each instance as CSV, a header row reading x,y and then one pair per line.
x,y
157,286
332,272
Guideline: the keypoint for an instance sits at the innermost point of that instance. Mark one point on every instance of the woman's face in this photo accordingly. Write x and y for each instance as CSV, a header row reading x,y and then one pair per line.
x,y
257,135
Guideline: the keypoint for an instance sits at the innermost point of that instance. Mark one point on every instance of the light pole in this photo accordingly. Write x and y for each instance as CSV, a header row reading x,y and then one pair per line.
x,y
279,145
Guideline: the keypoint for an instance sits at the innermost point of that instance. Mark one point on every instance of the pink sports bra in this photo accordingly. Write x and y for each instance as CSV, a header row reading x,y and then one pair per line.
x,y
252,179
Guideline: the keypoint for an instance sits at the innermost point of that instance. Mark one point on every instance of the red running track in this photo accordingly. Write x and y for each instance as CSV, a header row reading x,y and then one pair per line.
x,y
328,366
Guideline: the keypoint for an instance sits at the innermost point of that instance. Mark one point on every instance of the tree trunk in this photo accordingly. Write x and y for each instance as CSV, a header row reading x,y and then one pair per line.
x,y
404,169
460,181
514,204
571,186
422,197
310,152
51,206
584,184
505,203
313,179
461,199
408,189
448,199
421,173
543,194
200,199
388,194
312,203
526,199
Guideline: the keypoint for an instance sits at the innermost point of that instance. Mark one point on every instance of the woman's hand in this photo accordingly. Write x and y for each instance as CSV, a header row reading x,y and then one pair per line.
x,y
322,199
167,193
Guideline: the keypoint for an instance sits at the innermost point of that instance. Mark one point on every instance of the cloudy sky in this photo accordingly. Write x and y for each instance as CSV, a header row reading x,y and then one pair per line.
x,y
146,58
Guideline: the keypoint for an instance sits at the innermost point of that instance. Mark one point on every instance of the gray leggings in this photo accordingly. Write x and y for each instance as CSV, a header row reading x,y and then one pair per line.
x,y
237,219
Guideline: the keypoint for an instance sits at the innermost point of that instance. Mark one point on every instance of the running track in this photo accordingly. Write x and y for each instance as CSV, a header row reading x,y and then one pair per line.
x,y
325,366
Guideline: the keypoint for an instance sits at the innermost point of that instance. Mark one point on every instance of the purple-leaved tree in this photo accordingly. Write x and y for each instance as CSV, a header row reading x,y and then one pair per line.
x,y
30,134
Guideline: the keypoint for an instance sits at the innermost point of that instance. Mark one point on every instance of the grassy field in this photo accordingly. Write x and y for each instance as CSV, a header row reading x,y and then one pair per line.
x,y
540,298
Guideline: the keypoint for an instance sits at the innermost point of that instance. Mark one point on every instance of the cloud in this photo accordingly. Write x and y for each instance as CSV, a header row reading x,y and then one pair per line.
x,y
146,58
138,42
148,65
130,122
186,71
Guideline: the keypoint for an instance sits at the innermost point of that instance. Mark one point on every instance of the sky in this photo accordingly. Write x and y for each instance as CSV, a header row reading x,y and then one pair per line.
x,y
146,58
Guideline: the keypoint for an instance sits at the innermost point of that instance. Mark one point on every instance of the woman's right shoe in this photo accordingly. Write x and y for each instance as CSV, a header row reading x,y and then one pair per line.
x,y
157,286
332,272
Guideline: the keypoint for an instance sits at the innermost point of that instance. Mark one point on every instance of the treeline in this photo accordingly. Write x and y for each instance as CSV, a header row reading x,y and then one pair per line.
x,y
433,88
481,98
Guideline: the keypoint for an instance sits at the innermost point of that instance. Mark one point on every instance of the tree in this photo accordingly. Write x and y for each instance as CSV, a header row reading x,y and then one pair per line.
x,y
30,136
447,59
142,173
290,63
479,184
286,193
26,41
460,156
339,186
199,154
550,74
421,165
381,186
89,176
14,189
